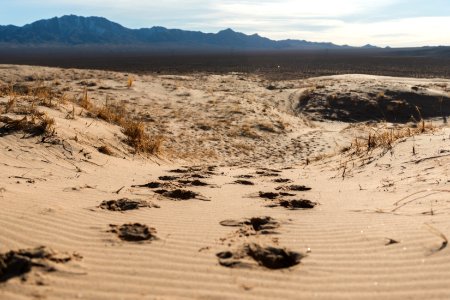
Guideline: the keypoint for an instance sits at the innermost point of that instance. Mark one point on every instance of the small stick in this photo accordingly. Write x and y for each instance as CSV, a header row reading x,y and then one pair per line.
x,y
428,158
118,191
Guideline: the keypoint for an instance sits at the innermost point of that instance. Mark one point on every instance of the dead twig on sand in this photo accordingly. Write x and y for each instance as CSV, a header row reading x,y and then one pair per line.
x,y
119,190
431,192
437,233
429,158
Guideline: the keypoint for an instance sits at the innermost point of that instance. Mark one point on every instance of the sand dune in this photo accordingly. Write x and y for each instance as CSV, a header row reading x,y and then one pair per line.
x,y
378,230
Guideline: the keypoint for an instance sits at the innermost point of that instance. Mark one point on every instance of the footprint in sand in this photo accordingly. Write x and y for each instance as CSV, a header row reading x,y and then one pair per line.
x,y
252,226
171,187
18,263
282,180
243,182
126,204
273,196
134,232
296,188
251,255
294,204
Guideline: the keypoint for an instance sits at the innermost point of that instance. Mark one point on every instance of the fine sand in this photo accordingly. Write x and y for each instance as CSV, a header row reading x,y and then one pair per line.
x,y
326,188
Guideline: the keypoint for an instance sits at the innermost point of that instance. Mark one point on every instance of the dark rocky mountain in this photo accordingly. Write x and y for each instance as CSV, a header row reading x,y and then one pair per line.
x,y
75,30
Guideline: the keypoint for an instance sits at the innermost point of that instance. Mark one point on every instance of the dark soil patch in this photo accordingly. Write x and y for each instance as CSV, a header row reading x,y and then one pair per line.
x,y
124,204
18,263
297,204
244,182
134,232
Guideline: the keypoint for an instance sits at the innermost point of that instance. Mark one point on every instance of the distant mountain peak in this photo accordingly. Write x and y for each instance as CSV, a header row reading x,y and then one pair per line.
x,y
369,46
79,30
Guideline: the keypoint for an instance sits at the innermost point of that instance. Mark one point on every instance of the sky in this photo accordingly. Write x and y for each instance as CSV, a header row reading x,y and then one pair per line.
x,y
395,23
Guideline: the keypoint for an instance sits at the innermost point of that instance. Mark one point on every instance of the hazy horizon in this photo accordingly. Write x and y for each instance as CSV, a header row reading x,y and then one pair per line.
x,y
395,23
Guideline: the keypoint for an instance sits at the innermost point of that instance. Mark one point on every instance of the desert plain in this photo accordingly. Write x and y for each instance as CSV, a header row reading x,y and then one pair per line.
x,y
199,186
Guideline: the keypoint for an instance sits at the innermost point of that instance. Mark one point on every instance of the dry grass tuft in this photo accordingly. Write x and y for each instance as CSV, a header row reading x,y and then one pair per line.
x,y
35,124
111,114
140,140
384,138
130,81
135,132
85,102
12,97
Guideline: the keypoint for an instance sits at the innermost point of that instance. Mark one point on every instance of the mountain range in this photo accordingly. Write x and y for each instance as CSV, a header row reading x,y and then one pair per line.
x,y
75,30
